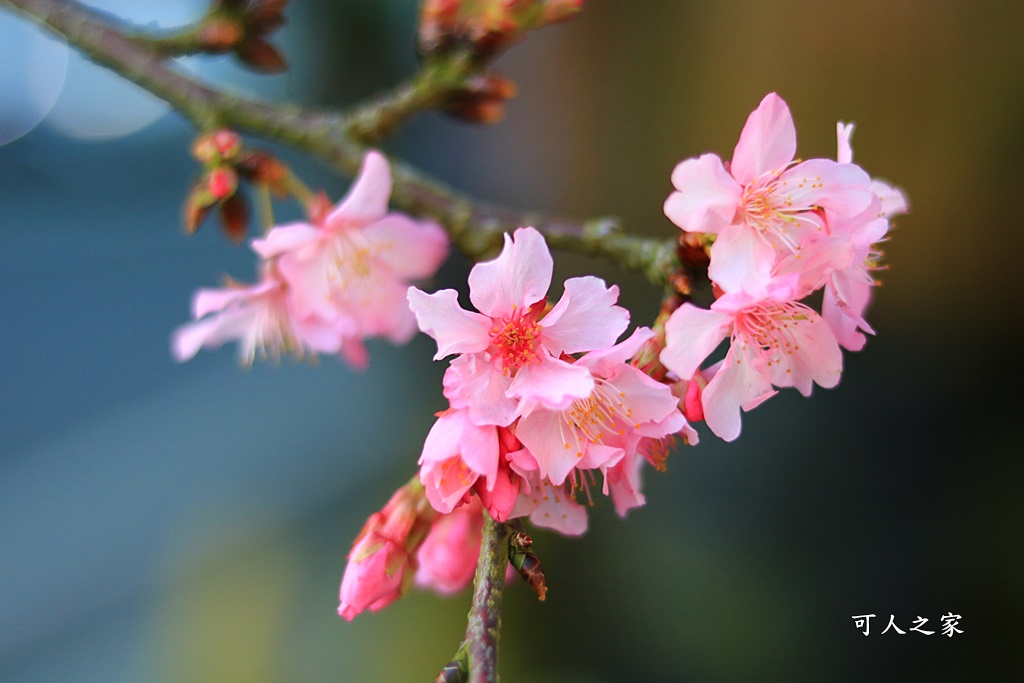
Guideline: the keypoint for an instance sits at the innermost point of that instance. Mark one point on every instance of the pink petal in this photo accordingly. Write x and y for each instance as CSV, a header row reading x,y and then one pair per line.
x,y
842,188
767,143
691,334
307,272
623,484
286,238
605,362
647,399
844,131
552,383
543,433
555,510
816,357
446,483
740,259
894,202
412,249
585,318
500,495
844,323
188,339
353,350
706,198
454,329
206,301
453,435
737,384
518,278
472,382
367,199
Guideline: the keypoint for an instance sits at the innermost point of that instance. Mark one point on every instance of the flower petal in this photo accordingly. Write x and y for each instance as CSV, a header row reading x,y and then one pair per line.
x,y
367,199
558,511
454,329
585,318
410,248
737,384
551,383
286,238
740,259
767,143
706,198
473,382
692,333
815,357
519,277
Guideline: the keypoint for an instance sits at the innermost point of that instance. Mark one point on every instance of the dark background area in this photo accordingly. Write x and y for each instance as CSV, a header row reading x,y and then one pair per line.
x,y
163,522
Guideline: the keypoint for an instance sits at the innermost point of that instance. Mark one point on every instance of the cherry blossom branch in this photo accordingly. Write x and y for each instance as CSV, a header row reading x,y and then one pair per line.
x,y
340,139
484,625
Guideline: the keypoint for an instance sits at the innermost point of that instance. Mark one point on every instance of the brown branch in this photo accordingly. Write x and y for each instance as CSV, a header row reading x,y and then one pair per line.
x,y
340,139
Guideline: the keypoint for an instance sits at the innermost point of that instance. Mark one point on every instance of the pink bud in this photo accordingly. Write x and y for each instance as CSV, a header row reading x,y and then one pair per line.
x,y
228,143
376,580
448,556
693,409
381,565
222,182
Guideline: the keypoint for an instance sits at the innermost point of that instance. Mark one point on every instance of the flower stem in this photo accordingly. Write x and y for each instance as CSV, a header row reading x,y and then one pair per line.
x,y
476,660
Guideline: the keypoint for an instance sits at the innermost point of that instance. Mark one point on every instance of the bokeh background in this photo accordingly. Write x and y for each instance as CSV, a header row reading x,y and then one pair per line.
x,y
163,522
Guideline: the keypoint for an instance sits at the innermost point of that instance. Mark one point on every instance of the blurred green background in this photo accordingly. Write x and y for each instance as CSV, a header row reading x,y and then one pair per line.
x,y
189,523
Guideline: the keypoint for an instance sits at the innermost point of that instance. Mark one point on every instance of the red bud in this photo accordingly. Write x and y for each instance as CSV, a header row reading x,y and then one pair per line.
x,y
261,55
234,217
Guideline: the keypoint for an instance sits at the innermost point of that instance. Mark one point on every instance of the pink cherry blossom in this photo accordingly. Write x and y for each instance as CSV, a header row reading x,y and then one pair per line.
x,y
356,264
455,454
774,341
260,318
382,563
598,430
764,204
848,289
512,349
447,559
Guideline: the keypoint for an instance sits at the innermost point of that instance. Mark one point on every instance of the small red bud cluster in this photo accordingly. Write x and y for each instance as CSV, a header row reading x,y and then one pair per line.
x,y
226,165
242,27
486,27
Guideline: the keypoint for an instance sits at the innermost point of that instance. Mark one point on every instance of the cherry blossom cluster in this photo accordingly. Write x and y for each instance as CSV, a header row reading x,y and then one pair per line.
x,y
542,396
783,228
325,285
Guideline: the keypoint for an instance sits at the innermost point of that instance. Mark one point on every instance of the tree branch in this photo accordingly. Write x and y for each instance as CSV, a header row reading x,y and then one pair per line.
x,y
341,139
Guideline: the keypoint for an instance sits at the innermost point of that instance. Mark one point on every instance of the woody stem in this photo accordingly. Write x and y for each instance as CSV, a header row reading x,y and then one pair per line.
x,y
341,138
476,660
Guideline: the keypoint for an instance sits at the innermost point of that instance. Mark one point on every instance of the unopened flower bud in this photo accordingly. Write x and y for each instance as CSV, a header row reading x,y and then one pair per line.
x,y
221,32
261,55
482,100
228,144
265,16
486,26
382,562
234,217
222,182
263,169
